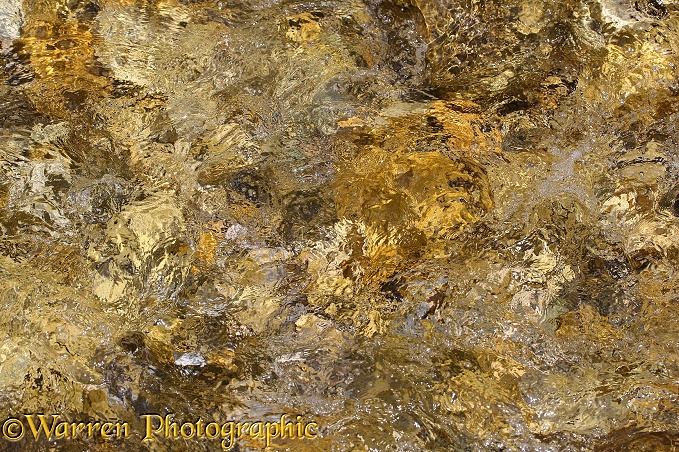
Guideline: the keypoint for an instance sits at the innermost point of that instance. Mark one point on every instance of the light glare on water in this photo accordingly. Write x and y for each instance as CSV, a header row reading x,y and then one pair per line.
x,y
424,225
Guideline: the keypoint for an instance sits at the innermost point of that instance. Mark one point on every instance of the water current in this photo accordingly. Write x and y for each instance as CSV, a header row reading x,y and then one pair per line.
x,y
420,225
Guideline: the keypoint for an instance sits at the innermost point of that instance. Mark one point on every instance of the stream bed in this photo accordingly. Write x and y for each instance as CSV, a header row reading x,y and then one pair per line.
x,y
420,225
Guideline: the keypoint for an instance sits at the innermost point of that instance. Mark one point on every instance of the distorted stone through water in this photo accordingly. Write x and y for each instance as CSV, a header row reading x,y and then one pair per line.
x,y
423,225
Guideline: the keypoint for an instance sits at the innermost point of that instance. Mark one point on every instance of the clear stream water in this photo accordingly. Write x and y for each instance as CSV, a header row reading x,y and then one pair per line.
x,y
424,225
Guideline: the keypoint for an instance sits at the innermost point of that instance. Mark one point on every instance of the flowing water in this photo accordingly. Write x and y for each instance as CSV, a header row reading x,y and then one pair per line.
x,y
425,225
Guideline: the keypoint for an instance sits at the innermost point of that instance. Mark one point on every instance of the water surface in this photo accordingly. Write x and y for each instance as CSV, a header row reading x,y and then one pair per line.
x,y
425,225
